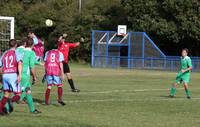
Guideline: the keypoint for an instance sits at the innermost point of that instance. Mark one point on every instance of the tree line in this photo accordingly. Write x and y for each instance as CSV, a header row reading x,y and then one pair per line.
x,y
172,24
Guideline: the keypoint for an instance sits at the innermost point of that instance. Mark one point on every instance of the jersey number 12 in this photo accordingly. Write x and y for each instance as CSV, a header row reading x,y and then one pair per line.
x,y
9,61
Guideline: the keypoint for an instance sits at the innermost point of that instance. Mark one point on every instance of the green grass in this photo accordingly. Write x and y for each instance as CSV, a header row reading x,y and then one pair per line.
x,y
113,98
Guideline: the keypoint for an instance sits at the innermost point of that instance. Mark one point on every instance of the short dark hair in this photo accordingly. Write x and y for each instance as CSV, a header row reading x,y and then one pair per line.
x,y
12,43
24,40
185,49
29,42
30,31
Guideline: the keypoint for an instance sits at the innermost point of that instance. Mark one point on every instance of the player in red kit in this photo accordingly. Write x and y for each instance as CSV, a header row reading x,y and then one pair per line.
x,y
54,73
64,47
38,46
11,66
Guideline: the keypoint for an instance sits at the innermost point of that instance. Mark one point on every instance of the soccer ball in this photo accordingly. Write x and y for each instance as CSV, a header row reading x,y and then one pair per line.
x,y
49,23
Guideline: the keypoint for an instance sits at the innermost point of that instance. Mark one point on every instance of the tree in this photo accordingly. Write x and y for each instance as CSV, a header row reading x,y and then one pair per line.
x,y
169,22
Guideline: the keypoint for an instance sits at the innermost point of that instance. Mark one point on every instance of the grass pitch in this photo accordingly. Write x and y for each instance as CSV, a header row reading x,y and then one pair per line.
x,y
112,98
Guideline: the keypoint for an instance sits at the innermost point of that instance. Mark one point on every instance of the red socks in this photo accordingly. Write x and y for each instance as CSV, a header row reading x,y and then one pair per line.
x,y
47,94
60,93
2,103
15,98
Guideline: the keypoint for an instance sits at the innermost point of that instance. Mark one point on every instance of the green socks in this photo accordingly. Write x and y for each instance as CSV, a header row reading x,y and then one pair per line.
x,y
187,91
172,91
22,95
30,102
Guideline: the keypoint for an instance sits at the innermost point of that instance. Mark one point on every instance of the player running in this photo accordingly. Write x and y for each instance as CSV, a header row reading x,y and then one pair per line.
x,y
64,47
183,75
11,65
54,73
28,69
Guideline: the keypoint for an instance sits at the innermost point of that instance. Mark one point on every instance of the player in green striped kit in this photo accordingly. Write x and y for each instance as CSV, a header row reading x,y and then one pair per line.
x,y
183,75
28,69
20,49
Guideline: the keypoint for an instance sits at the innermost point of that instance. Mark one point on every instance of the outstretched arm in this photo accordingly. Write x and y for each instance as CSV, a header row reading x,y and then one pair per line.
x,y
73,45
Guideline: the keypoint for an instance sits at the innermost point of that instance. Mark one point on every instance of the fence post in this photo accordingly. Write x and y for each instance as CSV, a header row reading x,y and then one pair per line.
x,y
92,49
129,50
143,48
98,53
107,42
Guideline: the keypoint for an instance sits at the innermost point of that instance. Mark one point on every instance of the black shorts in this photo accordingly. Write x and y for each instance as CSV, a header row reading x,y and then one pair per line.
x,y
66,68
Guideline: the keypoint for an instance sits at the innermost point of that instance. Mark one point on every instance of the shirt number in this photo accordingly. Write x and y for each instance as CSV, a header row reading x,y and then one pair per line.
x,y
53,57
9,61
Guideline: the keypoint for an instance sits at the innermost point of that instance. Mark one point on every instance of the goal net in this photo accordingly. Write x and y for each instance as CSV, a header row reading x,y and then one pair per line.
x,y
6,31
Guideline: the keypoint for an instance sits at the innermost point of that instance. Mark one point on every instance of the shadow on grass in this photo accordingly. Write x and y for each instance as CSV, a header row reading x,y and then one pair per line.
x,y
167,96
36,100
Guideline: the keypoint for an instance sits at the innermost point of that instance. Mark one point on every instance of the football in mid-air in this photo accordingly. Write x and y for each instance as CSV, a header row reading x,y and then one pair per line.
x,y
49,23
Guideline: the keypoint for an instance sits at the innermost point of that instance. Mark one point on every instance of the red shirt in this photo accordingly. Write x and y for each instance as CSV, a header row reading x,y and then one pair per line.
x,y
52,63
38,48
64,47
9,61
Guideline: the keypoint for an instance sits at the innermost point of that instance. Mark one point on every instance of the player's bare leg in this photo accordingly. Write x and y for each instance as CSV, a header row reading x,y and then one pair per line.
x,y
71,83
187,91
173,90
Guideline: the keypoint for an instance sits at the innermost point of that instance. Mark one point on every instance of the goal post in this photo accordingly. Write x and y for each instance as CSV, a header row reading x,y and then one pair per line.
x,y
7,26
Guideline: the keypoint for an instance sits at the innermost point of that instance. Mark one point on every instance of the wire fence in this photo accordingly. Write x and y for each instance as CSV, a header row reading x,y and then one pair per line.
x,y
134,51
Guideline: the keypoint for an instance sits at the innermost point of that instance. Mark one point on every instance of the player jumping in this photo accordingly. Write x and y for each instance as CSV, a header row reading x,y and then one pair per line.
x,y
38,46
183,75
11,65
54,73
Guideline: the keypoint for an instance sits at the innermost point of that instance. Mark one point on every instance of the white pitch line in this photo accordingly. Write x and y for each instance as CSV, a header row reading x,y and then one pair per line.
x,y
112,91
125,100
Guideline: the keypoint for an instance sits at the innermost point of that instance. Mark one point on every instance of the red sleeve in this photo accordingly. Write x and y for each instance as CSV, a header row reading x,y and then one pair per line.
x,y
72,45
59,44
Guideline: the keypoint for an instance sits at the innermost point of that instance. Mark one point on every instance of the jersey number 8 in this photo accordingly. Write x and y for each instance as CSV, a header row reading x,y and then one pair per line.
x,y
53,57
